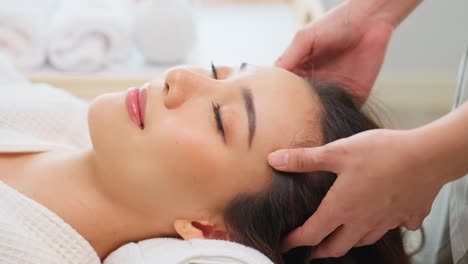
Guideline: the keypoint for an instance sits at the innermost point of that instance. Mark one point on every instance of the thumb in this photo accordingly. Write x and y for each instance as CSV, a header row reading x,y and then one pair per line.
x,y
298,50
304,159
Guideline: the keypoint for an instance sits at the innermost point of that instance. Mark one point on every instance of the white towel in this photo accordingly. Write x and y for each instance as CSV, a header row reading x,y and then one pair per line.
x,y
176,251
9,73
23,28
87,35
39,117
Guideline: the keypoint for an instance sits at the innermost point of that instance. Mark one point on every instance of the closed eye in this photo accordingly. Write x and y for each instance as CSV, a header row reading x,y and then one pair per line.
x,y
219,120
214,71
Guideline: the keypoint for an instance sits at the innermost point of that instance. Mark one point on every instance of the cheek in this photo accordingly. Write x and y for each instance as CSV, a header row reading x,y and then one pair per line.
x,y
186,150
107,121
193,161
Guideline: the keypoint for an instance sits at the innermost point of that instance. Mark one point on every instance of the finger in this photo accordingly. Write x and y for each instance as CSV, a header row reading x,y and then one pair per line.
x,y
339,243
321,158
313,231
372,237
299,48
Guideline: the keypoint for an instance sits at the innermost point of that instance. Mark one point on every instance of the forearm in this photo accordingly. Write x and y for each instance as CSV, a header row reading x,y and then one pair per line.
x,y
391,11
443,145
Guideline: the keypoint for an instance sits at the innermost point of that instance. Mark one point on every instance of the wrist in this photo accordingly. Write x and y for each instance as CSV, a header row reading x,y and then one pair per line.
x,y
442,146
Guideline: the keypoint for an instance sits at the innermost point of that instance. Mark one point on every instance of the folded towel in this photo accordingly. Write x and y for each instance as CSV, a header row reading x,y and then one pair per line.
x,y
176,251
23,28
90,34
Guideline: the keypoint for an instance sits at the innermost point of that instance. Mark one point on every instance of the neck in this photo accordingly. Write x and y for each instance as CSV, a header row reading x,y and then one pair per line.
x,y
66,183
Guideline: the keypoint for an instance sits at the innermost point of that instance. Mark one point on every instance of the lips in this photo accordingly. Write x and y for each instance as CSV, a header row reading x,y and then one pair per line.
x,y
136,104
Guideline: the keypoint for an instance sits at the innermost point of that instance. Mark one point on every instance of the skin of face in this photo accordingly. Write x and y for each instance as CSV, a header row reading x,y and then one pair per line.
x,y
180,163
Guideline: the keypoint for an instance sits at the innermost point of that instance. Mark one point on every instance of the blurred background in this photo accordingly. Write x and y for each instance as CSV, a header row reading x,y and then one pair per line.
x,y
94,46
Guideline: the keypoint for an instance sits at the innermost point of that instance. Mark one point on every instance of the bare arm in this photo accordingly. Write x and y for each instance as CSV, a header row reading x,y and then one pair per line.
x,y
392,11
445,143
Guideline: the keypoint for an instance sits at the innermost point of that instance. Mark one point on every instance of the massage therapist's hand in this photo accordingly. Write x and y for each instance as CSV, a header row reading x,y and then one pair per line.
x,y
385,179
347,46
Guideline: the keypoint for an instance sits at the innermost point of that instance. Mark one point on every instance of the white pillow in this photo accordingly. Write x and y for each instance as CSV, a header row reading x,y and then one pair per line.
x,y
176,251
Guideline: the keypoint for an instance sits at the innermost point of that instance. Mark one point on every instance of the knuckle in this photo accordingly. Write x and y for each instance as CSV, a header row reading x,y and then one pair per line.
x,y
310,239
299,233
339,152
321,157
299,159
340,147
301,236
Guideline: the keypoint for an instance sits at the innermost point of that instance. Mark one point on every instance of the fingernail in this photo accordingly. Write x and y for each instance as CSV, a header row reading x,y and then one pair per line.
x,y
279,159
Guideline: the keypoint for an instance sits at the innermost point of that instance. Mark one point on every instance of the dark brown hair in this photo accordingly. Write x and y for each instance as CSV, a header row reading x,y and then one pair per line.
x,y
261,220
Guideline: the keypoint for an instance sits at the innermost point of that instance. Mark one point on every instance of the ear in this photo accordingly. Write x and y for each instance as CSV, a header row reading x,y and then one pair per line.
x,y
189,229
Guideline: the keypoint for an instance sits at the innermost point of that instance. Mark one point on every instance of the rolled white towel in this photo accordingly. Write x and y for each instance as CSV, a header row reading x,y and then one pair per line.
x,y
23,28
176,251
87,35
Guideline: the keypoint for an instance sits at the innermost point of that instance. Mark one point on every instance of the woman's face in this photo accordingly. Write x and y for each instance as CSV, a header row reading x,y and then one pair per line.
x,y
183,162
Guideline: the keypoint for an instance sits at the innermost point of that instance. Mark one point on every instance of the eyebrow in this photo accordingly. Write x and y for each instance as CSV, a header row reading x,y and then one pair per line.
x,y
250,110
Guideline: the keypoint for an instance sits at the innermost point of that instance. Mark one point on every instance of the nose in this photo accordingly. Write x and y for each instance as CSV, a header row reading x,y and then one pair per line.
x,y
183,84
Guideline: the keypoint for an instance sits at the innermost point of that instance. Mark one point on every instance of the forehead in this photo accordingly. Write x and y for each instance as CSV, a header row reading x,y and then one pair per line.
x,y
287,109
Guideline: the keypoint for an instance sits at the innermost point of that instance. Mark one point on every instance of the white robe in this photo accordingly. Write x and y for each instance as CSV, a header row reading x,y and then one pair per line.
x,y
33,118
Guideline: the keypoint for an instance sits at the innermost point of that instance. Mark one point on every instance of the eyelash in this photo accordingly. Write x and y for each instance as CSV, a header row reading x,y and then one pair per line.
x,y
217,116
216,107
214,71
